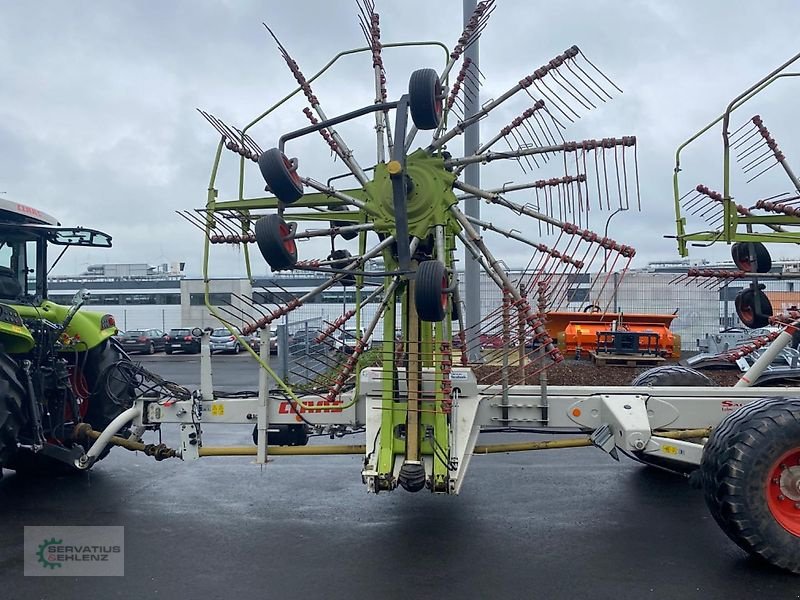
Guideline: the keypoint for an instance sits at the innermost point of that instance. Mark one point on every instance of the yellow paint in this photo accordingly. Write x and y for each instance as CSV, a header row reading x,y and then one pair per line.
x,y
218,410
394,167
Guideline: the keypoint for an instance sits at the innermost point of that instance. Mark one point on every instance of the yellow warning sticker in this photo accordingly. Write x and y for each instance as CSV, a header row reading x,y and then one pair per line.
x,y
217,410
670,450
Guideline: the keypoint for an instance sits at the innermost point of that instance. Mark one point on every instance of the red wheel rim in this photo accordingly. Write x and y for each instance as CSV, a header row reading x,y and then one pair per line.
x,y
746,314
292,171
444,293
285,232
783,491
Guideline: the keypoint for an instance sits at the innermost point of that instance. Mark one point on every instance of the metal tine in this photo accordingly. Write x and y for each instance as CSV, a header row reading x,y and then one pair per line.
x,y
736,143
619,184
566,85
230,131
742,126
522,144
603,75
750,149
693,201
346,153
757,175
758,161
194,223
213,123
605,178
518,159
569,64
551,102
250,302
221,222
250,141
526,125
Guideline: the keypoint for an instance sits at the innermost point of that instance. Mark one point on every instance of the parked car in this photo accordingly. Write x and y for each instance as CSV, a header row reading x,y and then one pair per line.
x,y
223,341
145,341
182,340
254,340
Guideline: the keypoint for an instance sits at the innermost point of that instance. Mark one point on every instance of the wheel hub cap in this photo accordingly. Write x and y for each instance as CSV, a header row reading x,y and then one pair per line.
x,y
783,491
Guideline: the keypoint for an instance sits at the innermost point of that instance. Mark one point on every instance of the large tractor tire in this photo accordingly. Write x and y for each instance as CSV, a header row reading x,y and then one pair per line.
x,y
12,395
109,395
751,479
670,376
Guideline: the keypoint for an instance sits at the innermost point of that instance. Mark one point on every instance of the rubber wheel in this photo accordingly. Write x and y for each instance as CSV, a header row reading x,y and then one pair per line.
x,y
430,295
745,303
751,479
281,176
280,253
12,395
236,349
151,349
740,252
670,376
109,396
425,99
167,350
342,258
350,235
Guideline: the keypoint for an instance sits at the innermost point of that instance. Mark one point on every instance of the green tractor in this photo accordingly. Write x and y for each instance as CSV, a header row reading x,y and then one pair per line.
x,y
59,365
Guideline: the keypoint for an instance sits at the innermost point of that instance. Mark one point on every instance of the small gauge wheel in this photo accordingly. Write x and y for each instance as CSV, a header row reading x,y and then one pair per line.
x,y
281,176
431,291
271,236
761,263
753,308
425,99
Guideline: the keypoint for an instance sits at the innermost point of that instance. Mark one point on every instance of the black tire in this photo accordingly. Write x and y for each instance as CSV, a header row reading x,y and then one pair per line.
x,y
151,349
425,99
281,176
167,350
236,349
741,462
280,253
109,393
745,304
670,376
350,235
342,258
109,396
740,252
430,295
12,395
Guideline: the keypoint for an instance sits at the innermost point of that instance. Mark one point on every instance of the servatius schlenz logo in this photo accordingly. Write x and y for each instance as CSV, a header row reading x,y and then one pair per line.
x,y
74,551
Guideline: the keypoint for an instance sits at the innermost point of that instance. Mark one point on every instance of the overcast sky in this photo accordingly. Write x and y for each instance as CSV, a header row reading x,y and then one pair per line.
x,y
98,123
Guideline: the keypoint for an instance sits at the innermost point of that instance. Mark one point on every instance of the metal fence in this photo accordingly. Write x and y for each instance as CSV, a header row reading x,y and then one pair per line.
x,y
700,307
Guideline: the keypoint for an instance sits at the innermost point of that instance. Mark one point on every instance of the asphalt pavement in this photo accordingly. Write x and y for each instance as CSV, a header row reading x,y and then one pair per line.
x,y
559,524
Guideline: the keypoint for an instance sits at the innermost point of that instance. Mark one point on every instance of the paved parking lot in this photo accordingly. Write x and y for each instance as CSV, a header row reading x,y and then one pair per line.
x,y
557,524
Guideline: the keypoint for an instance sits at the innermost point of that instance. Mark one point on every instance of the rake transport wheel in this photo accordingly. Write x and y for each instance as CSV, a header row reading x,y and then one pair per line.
x,y
762,262
281,176
670,376
431,291
271,232
753,307
751,479
425,99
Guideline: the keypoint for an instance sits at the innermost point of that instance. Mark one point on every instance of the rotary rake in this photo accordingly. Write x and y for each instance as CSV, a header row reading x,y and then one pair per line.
x,y
405,212
719,218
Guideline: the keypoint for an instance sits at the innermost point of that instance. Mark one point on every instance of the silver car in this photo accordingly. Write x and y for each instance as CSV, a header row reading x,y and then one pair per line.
x,y
222,341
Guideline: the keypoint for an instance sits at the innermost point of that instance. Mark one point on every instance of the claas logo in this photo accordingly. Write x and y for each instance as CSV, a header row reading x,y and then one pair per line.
x,y
309,406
